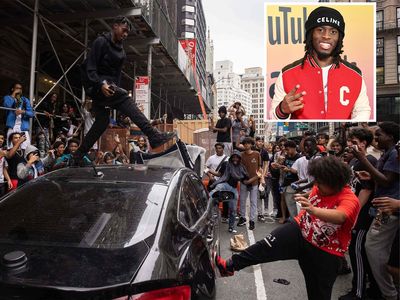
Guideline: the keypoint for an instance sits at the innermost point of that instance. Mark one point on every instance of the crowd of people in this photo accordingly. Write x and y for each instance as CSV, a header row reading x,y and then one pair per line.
x,y
58,130
332,195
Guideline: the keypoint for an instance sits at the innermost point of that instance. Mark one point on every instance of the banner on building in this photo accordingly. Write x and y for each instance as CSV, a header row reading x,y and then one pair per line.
x,y
285,36
142,94
189,45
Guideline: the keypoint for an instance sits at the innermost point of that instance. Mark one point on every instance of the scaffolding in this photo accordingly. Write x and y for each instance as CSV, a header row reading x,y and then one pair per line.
x,y
153,50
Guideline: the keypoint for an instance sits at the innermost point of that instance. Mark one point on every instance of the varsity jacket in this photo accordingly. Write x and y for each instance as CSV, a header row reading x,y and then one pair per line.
x,y
347,94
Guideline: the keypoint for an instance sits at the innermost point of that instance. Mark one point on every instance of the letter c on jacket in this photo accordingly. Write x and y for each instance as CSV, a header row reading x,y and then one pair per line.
x,y
344,89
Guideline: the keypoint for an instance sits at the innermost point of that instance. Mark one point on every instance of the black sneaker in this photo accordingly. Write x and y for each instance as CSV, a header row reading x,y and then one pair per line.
x,y
242,221
252,225
261,218
161,138
225,269
349,296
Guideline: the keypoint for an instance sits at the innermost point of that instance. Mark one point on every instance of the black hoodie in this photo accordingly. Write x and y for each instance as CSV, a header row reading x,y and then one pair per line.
x,y
104,62
232,173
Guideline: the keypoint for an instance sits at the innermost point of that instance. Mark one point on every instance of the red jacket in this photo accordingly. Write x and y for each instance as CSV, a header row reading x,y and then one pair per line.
x,y
347,98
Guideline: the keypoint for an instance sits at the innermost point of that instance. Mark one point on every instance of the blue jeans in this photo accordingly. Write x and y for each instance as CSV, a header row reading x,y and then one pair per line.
x,y
232,203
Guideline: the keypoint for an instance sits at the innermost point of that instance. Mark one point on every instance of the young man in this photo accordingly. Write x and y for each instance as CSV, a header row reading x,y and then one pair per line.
x,y
290,176
318,236
18,120
223,129
65,159
300,166
363,189
33,166
230,174
262,195
4,185
383,230
101,74
15,155
214,163
251,160
321,85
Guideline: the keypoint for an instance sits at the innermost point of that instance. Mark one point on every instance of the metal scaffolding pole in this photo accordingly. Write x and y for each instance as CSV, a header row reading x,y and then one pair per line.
x,y
33,59
149,67
86,23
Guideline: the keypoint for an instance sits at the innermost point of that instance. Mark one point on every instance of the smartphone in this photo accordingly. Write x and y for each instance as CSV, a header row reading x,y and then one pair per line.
x,y
373,212
294,186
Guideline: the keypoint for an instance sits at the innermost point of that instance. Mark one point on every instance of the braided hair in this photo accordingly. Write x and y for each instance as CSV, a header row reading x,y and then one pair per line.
x,y
309,48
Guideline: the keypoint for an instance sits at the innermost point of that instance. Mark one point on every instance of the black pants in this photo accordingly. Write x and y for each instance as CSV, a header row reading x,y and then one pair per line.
x,y
276,195
123,103
286,242
360,264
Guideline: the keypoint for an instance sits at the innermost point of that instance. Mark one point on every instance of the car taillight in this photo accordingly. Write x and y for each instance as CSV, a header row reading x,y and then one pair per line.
x,y
173,293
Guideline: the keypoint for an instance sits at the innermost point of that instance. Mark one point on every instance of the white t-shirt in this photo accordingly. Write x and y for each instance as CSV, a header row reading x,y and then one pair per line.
x,y
325,71
301,166
213,162
3,164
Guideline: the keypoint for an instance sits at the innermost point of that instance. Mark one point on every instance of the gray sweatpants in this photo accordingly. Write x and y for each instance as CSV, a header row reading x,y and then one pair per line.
x,y
244,191
378,245
288,194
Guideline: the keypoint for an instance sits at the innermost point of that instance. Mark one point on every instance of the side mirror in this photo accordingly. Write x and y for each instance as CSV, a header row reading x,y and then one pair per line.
x,y
222,196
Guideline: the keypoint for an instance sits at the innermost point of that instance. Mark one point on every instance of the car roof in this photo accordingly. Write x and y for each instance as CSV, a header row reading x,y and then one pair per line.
x,y
120,173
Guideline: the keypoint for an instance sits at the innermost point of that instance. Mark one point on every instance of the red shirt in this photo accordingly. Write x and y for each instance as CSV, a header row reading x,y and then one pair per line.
x,y
332,238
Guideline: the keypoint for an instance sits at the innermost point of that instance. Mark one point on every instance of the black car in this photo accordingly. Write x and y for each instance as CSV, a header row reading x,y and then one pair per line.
x,y
131,233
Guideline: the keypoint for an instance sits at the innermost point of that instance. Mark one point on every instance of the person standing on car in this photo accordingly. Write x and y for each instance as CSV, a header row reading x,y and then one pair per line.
x,y
101,75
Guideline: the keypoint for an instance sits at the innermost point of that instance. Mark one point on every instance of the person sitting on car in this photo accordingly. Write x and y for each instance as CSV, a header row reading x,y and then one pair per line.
x,y
33,166
230,174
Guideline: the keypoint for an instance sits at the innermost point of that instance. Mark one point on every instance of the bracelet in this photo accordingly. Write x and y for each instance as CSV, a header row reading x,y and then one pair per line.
x,y
279,113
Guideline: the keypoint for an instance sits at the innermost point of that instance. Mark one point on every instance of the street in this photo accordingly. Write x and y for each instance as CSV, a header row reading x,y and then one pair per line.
x,y
257,282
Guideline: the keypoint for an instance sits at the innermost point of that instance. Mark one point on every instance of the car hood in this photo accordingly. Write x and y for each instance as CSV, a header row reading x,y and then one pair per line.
x,y
68,268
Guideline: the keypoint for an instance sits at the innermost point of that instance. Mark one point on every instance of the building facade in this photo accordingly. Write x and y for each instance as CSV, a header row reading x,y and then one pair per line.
x,y
253,83
228,86
387,58
191,24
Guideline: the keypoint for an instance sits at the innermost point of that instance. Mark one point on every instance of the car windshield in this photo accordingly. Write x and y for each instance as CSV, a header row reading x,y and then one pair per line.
x,y
86,214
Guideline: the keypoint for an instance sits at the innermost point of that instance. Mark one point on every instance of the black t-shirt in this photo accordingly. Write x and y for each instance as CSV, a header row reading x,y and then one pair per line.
x,y
364,219
263,153
289,176
224,137
13,163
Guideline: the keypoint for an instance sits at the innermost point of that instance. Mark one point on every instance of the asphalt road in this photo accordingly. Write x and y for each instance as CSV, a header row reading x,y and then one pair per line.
x,y
256,282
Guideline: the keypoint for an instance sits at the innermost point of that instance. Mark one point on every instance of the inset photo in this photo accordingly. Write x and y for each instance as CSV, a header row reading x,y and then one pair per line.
x,y
320,62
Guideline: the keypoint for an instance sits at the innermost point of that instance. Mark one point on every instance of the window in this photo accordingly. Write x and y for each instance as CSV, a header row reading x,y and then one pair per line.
x,y
398,72
379,20
380,75
192,201
189,22
379,47
188,35
398,45
188,8
398,17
